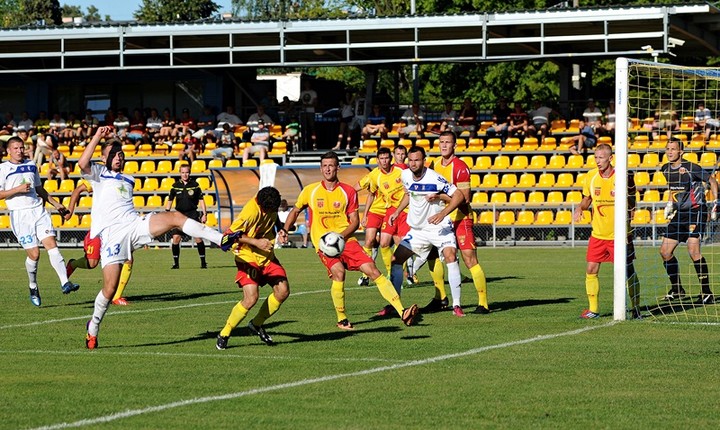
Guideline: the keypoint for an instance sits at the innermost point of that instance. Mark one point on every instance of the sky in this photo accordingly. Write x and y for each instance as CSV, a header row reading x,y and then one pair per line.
x,y
122,10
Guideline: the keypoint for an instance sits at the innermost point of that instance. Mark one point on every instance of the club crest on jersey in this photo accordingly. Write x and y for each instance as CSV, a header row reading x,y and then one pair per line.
x,y
682,170
386,185
337,205
597,192
320,203
612,193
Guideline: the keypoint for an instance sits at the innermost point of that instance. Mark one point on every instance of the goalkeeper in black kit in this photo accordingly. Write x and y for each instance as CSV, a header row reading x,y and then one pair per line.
x,y
687,212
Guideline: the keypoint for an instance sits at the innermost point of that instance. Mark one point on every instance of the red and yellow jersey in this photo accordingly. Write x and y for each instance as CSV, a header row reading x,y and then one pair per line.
x,y
379,205
389,186
328,210
602,192
256,224
457,173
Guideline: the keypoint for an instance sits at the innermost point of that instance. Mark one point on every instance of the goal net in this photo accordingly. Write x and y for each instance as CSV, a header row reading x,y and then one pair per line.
x,y
657,103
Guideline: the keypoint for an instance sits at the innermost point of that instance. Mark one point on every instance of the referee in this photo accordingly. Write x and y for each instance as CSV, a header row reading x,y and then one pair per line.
x,y
189,196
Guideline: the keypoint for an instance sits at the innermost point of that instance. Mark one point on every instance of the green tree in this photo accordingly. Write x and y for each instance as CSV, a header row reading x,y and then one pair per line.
x,y
92,14
45,10
287,9
175,10
11,13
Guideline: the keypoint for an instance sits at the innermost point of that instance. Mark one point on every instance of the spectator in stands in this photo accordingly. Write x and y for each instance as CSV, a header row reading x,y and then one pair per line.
x,y
467,119
286,110
153,125
290,136
205,123
518,122
186,126
309,99
121,124
9,124
42,124
448,118
260,140
228,117
375,124
704,121
500,119
226,143
58,164
42,148
57,125
592,115
585,140
29,143
540,116
252,122
109,118
89,125
300,228
347,114
167,132
413,119
608,127
73,130
26,123
135,133
665,119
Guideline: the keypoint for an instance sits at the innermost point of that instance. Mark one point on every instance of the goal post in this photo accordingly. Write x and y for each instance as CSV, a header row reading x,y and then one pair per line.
x,y
621,222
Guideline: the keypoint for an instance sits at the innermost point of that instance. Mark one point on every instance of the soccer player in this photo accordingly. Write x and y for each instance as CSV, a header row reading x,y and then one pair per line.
x,y
455,171
254,232
25,197
92,249
333,206
599,190
118,224
430,225
687,213
187,196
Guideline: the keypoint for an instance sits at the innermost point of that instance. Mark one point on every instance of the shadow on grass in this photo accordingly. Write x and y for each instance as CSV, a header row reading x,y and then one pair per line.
x,y
515,304
465,280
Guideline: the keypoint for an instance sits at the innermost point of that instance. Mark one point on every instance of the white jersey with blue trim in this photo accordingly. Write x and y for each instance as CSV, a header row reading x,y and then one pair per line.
x,y
13,175
419,208
112,198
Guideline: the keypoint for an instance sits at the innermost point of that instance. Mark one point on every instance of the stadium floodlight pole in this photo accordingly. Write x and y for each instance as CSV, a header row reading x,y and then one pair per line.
x,y
621,213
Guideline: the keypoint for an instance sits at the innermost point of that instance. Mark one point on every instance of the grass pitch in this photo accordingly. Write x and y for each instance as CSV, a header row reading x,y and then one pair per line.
x,y
531,363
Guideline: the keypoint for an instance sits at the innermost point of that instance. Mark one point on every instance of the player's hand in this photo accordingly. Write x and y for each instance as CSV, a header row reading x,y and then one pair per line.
x,y
670,210
363,222
714,210
203,218
263,244
62,210
282,236
433,197
23,188
435,219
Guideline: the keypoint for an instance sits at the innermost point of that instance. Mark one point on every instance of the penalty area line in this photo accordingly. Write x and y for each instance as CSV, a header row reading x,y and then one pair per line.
x,y
328,378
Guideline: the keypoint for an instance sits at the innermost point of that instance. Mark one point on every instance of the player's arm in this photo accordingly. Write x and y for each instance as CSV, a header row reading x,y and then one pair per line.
x,y
260,243
170,199
20,189
74,197
43,194
289,222
583,206
353,224
368,203
86,157
456,200
203,209
401,207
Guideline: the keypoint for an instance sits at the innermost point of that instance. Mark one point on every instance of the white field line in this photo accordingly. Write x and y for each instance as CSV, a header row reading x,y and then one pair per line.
x,y
303,382
169,308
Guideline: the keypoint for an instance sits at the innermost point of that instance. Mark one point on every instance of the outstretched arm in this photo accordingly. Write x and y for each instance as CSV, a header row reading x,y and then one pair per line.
x,y
86,157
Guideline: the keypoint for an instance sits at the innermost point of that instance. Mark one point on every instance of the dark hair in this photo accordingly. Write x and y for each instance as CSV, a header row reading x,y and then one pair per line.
x,y
419,149
268,199
384,150
449,133
110,142
11,140
401,147
330,155
680,143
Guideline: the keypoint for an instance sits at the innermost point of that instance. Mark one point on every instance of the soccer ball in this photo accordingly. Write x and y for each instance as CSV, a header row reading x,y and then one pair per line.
x,y
332,244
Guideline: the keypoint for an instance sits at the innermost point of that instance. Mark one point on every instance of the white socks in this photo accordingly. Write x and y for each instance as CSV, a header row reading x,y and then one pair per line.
x,y
454,279
194,229
58,263
31,267
101,306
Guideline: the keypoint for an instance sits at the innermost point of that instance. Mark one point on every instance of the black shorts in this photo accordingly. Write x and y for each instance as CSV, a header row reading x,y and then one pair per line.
x,y
195,215
687,224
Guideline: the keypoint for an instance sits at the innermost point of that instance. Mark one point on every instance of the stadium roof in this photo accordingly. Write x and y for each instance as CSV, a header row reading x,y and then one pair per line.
x,y
503,36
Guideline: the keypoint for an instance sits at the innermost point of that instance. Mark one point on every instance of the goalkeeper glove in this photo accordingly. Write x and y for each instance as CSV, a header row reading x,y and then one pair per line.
x,y
229,239
714,210
670,210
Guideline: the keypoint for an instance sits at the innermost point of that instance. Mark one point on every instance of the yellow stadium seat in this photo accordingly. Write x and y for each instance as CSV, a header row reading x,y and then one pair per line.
x,y
215,163
574,126
708,159
211,220
658,179
203,182
563,218
423,143
73,222
50,185
487,217
139,201
558,126
536,197
164,166
407,143
250,163
527,180
147,167
4,222
85,202
154,201
565,180
506,218
493,144
519,162
651,196
633,160
150,184
131,167
586,218
67,186
546,180
525,218
557,161
233,162
691,157
279,147
659,217
565,143
544,218
538,162
480,197
467,160
198,166
176,149
575,161
166,184
490,180
651,160
57,220
138,185
86,221
388,143
369,146
483,162
501,162
508,180
498,197
474,180
604,139
590,162
641,216
373,160
475,145
144,150
642,178
555,197
517,197
176,167
358,161
512,144
548,144
573,197
209,200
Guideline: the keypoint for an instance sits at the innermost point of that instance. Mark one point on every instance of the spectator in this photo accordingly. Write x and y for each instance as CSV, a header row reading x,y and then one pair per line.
x,y
448,118
309,99
10,125
665,119
135,133
609,127
585,140
121,125
704,121
226,143
347,114
153,125
540,116
228,117
252,122
375,124
167,132
58,164
414,119
89,125
186,126
57,125
518,122
500,119
592,115
292,130
287,109
26,123
300,228
260,143
42,124
205,123
467,120
109,118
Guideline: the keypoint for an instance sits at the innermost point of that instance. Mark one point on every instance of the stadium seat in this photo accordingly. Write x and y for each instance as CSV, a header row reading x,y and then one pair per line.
x,y
490,180
633,160
565,180
474,180
211,220
544,218
590,162
708,159
641,216
517,197
373,160
73,222
166,184
506,218
176,166
659,217
145,150
164,166
659,142
475,145
57,220
279,147
546,180
154,201
252,163
657,179
150,184
4,222
67,186
85,202
461,144
519,162
486,217
508,180
548,144
358,161
176,149
642,178
139,201
573,197
131,167
563,218
468,160
536,197
575,162
527,180
147,167
215,163
555,197
493,144
423,143
525,218
198,166
691,157
558,126
511,144
529,144
650,160
498,197
231,163
65,201
480,197
604,139
574,126
538,162
203,182
565,143
86,221
138,184
501,162
586,218
651,196
50,185
483,162
209,200
369,146
388,143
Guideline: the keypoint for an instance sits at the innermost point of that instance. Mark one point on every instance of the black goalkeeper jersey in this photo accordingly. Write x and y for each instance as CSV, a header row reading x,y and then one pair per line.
x,y
686,184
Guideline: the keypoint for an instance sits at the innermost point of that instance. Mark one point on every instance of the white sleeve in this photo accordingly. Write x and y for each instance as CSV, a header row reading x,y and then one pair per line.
x,y
96,169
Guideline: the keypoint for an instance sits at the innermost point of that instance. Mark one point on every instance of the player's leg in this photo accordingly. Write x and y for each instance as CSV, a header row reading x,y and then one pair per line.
x,y
163,222
592,289
31,265
201,252
176,251
125,274
58,263
337,292
402,252
454,278
439,301
90,259
386,250
466,244
667,249
111,278
633,282
240,310
701,268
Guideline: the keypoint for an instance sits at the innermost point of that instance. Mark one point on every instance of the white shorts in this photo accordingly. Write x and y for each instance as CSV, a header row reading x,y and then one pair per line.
x,y
31,226
422,241
120,240
259,147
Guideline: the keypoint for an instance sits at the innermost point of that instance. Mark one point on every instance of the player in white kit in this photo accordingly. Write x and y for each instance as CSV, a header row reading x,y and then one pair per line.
x,y
25,197
120,227
430,198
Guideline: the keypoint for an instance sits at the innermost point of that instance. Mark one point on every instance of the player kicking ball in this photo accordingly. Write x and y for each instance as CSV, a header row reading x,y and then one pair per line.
x,y
118,224
252,239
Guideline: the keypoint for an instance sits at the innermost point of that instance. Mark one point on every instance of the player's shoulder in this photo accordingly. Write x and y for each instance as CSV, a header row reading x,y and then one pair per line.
x,y
349,189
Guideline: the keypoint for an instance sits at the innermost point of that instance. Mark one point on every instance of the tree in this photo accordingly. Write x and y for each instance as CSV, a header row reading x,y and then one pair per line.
x,y
48,11
287,9
175,10
74,11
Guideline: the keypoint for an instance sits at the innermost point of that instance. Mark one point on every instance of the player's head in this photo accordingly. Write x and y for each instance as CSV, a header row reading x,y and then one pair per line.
x,y
400,154
329,166
447,142
268,199
416,160
185,172
113,155
674,150
384,157
16,149
603,156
